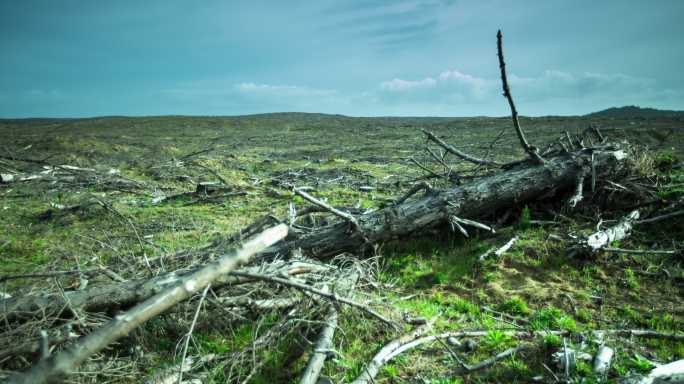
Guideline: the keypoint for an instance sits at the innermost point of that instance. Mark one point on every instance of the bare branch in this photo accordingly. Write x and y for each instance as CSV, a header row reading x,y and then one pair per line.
x,y
531,151
328,295
451,149
66,361
321,349
346,216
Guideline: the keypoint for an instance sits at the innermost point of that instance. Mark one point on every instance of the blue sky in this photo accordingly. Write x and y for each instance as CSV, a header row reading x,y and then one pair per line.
x,y
68,58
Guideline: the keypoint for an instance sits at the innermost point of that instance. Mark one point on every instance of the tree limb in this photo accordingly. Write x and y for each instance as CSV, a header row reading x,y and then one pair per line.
x,y
66,361
531,151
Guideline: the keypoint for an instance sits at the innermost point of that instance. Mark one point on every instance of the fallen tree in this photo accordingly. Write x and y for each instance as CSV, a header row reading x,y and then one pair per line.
x,y
471,201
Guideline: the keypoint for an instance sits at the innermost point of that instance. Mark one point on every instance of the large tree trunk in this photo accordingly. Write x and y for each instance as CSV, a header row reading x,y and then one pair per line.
x,y
473,200
476,199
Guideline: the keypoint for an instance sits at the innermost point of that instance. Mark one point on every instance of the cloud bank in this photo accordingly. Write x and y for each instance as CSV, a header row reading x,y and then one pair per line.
x,y
449,93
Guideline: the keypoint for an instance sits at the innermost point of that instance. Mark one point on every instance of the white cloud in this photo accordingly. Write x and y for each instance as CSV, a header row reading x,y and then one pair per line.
x,y
399,85
553,91
282,90
451,92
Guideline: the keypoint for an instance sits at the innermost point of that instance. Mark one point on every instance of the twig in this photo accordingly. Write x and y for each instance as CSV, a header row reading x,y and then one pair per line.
x,y
639,251
451,149
577,197
387,352
415,189
189,334
439,160
346,216
471,223
531,151
661,217
424,168
329,295
67,360
491,361
499,251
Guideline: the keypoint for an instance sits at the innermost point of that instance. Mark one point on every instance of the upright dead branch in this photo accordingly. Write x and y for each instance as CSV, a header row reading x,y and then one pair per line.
x,y
531,151
66,361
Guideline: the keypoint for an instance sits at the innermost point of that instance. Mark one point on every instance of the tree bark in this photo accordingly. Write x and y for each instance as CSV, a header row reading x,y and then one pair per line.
x,y
473,200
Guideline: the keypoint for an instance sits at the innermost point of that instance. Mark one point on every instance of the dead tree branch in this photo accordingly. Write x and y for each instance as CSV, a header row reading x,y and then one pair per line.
x,y
451,149
604,238
66,361
531,151
387,352
328,295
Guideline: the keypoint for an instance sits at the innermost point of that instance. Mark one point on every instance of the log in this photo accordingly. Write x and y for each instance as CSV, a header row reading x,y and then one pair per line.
x,y
476,199
473,200
123,295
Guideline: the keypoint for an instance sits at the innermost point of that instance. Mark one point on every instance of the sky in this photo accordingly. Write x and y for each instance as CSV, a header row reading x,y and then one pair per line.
x,y
67,58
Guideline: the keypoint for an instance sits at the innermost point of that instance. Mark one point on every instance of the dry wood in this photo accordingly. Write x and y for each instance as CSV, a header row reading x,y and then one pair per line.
x,y
451,149
66,361
578,196
387,352
661,217
346,216
531,151
414,339
602,239
498,357
321,349
324,343
475,199
125,294
500,251
639,251
328,295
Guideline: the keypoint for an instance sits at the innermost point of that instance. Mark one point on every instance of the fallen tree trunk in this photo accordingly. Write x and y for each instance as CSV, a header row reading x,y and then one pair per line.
x,y
473,200
479,198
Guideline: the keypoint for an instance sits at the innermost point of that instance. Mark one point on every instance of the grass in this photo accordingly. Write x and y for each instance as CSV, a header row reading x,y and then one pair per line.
x,y
434,274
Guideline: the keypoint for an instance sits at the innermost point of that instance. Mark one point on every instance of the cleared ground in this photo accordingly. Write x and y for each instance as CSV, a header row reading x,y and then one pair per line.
x,y
359,163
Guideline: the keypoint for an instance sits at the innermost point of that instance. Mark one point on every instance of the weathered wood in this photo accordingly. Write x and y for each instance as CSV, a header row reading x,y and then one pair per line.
x,y
476,199
66,361
125,294
604,238
533,152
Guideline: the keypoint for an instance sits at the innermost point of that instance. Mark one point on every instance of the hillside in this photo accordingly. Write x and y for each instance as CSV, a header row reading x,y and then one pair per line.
x,y
633,111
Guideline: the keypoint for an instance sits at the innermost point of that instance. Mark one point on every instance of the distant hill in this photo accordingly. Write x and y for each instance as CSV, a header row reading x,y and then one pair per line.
x,y
633,111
